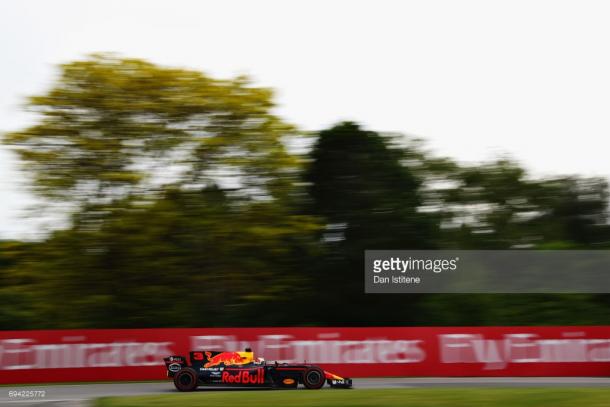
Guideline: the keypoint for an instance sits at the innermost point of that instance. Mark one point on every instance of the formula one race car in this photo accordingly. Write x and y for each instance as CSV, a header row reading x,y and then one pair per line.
x,y
241,369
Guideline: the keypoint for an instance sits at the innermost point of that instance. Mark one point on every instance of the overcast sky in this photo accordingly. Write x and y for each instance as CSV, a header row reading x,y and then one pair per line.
x,y
476,79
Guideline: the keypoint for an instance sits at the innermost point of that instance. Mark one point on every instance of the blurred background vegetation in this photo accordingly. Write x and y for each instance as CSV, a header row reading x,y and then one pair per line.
x,y
190,206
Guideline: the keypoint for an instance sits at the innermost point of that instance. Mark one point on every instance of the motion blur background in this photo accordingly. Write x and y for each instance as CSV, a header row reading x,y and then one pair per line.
x,y
148,183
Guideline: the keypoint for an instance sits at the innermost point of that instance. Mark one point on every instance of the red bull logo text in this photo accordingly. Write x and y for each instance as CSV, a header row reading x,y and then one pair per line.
x,y
244,376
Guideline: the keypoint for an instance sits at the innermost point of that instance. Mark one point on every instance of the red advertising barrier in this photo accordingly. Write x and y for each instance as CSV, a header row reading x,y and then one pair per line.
x,y
136,354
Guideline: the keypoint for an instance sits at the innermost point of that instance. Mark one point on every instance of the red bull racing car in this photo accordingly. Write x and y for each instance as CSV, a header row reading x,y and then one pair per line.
x,y
241,369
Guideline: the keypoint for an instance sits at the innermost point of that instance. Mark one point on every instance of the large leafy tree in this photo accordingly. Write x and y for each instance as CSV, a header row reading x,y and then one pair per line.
x,y
368,199
182,196
111,123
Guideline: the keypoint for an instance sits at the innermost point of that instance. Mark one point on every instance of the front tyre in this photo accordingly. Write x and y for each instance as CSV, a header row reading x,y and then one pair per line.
x,y
313,378
186,379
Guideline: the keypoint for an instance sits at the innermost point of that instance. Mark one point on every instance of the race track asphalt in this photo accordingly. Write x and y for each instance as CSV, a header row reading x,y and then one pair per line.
x,y
77,395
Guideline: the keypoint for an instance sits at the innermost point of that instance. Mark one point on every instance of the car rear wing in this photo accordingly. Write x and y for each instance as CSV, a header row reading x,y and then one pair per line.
x,y
173,364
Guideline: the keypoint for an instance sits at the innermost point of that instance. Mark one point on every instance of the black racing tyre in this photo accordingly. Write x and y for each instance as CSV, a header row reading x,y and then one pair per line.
x,y
186,379
313,378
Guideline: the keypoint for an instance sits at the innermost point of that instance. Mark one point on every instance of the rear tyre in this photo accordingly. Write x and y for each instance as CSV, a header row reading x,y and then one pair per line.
x,y
186,379
313,378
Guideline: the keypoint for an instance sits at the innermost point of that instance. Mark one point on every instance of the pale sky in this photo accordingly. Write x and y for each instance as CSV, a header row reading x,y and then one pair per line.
x,y
476,79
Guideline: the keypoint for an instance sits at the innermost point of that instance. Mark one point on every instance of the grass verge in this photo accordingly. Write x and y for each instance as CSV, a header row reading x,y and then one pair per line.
x,y
458,397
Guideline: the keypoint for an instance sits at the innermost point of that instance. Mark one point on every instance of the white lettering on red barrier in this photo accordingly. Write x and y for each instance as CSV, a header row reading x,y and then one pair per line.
x,y
23,353
285,349
520,348
137,354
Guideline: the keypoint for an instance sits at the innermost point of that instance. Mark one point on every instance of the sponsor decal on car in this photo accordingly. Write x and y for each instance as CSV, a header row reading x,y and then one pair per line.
x,y
244,376
174,367
226,358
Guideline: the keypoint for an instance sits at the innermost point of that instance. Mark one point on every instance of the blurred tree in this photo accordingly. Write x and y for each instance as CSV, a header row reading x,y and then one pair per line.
x,y
16,296
188,211
191,258
138,151
369,200
110,124
498,206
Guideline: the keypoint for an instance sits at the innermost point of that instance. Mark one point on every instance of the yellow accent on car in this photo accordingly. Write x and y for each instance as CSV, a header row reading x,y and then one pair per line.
x,y
246,357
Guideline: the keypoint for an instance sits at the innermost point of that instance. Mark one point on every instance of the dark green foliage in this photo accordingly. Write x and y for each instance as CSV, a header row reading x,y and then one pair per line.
x,y
369,201
190,259
284,243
